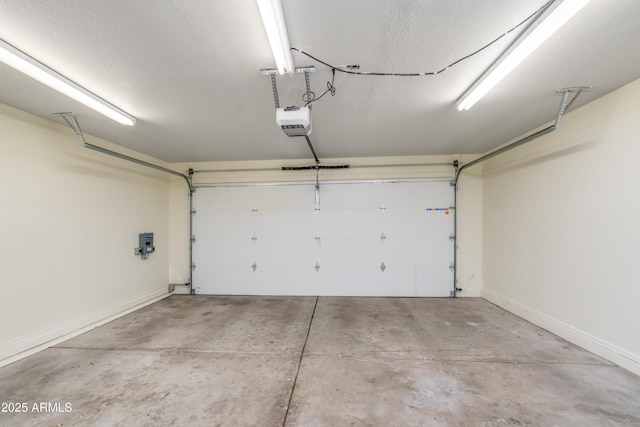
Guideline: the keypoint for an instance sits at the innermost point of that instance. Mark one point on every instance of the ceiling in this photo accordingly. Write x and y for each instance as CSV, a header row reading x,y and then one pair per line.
x,y
188,70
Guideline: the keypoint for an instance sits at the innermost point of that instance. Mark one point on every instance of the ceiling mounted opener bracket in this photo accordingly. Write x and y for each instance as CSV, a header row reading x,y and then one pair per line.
x,y
72,120
272,72
308,85
274,87
568,100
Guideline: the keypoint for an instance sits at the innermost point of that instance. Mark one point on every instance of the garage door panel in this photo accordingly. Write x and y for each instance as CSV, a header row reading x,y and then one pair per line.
x,y
237,224
291,197
278,224
348,196
338,281
262,281
416,195
220,252
285,252
294,280
416,223
375,195
434,281
341,281
349,223
216,199
367,239
399,251
434,252
271,252
227,280
346,251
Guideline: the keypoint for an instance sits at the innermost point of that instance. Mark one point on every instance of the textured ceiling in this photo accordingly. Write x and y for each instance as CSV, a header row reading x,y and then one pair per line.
x,y
188,70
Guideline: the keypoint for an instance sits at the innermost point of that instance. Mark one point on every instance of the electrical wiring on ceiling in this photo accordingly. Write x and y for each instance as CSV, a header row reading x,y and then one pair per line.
x,y
427,73
310,97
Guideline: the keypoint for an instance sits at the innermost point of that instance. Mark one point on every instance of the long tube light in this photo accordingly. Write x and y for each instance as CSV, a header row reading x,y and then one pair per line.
x,y
25,64
555,16
276,28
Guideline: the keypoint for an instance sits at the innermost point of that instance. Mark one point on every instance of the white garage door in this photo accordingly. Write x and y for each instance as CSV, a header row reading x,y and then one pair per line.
x,y
367,239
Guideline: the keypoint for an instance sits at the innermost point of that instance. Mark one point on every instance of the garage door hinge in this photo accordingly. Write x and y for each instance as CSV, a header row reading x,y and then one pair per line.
x,y
193,212
317,267
254,238
382,237
452,266
383,267
193,266
254,266
452,236
193,239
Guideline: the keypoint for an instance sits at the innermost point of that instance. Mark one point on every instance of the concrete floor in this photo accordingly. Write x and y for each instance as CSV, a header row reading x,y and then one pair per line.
x,y
306,361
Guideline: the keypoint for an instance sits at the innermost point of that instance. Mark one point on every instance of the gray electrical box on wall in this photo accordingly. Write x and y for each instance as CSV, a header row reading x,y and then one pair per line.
x,y
145,245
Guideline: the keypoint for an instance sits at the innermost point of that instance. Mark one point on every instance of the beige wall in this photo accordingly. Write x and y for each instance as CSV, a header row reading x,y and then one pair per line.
x,y
69,223
470,234
562,226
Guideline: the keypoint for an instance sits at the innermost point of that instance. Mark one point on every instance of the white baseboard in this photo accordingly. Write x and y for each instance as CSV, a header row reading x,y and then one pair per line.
x,y
617,355
26,345
472,293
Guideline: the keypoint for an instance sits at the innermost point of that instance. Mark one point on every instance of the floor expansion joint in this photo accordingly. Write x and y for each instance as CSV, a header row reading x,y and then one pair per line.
x,y
295,379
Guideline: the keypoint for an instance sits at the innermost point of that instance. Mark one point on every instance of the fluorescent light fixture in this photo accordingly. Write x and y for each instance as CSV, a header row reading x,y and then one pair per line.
x,y
38,71
556,15
273,20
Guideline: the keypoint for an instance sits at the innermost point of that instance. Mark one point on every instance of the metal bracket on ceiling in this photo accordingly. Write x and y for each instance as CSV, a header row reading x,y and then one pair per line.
x,y
274,88
307,69
272,72
568,100
308,95
72,121
565,103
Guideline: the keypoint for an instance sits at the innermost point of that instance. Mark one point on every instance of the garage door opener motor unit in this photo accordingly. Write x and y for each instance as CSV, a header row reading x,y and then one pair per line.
x,y
294,121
